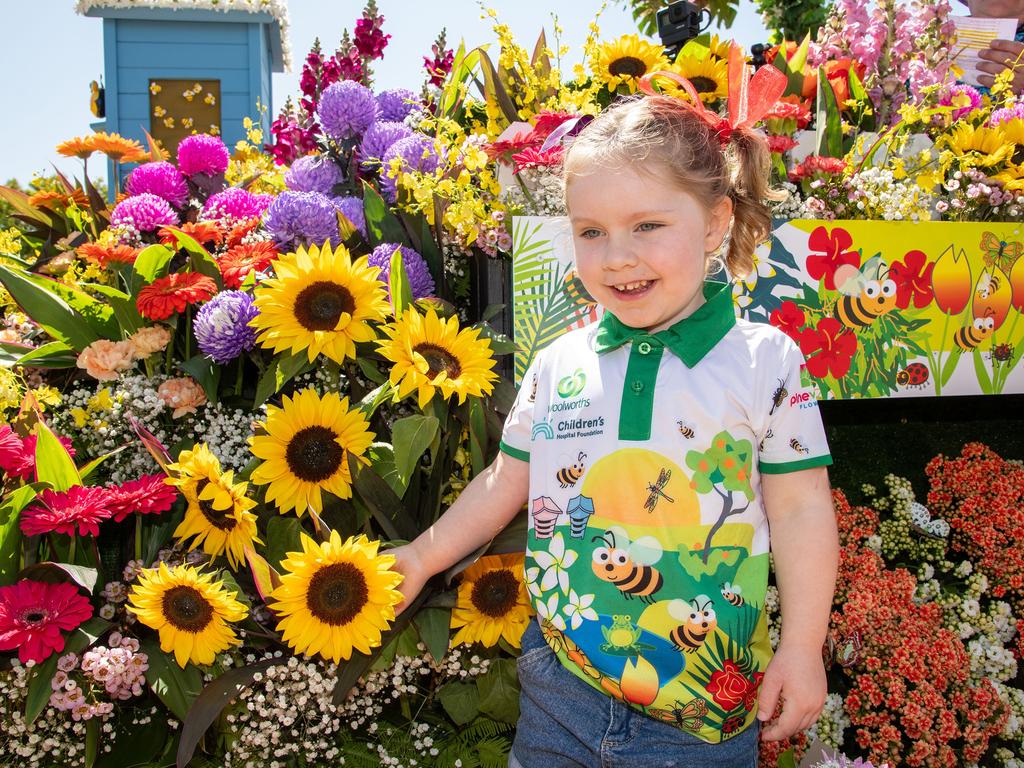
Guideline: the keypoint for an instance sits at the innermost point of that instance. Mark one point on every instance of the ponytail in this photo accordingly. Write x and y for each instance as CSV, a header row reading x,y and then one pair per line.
x,y
752,221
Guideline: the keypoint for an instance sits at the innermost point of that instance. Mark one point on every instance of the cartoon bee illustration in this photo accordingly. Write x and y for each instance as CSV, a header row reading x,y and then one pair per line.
x,y
698,621
778,396
686,430
630,567
567,476
689,716
731,593
988,284
573,287
797,446
867,293
622,638
767,436
970,336
654,492
914,375
533,389
97,98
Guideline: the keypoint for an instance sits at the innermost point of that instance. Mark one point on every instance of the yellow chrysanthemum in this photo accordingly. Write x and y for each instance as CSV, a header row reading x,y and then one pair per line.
x,y
218,517
336,596
625,61
430,354
709,76
305,446
321,302
190,611
982,146
492,602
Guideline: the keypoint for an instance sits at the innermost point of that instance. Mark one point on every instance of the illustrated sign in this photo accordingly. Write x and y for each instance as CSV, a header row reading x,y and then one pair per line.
x,y
179,108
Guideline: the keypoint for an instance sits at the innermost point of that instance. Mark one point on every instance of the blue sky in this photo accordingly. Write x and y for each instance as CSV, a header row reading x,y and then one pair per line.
x,y
54,53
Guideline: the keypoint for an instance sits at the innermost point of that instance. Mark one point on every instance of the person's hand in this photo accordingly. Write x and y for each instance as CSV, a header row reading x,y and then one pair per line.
x,y
999,56
409,564
797,676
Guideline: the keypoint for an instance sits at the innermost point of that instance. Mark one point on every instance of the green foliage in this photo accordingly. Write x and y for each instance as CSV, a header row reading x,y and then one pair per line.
x,y
645,13
792,19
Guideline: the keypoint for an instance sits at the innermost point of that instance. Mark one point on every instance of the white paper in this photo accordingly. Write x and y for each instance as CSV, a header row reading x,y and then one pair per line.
x,y
973,35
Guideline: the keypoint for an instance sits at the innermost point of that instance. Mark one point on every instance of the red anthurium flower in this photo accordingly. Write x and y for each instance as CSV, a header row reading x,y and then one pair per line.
x,y
829,348
913,280
789,319
829,252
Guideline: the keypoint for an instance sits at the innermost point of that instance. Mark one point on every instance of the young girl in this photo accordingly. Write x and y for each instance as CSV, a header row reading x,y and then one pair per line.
x,y
654,449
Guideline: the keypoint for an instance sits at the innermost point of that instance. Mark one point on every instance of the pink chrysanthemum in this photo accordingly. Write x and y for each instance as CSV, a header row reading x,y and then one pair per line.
x,y
965,98
202,153
76,511
18,455
1006,114
33,614
160,178
149,495
144,212
236,203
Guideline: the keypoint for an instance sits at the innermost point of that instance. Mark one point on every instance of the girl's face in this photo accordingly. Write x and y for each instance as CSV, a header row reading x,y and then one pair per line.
x,y
642,244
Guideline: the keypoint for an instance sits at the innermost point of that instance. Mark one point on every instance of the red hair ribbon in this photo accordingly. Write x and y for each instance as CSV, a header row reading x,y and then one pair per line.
x,y
750,97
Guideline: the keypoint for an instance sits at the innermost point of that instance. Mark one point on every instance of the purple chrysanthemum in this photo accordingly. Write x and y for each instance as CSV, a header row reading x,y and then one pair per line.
x,y
378,140
396,104
352,209
346,109
302,218
416,269
236,203
222,326
202,153
416,153
313,173
967,97
1006,114
144,213
161,179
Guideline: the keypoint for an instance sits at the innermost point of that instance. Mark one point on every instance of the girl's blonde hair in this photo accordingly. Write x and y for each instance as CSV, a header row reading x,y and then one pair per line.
x,y
660,135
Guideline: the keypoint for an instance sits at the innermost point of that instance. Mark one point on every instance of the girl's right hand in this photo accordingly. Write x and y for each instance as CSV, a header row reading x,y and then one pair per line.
x,y
409,564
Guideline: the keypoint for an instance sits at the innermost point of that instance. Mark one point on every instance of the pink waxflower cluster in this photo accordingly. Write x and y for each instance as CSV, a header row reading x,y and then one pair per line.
x,y
116,670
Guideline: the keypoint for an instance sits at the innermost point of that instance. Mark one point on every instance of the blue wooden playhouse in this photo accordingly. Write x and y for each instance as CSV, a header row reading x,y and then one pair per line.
x,y
197,67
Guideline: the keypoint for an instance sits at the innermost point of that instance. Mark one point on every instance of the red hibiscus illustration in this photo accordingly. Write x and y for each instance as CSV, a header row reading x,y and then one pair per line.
x,y
728,686
829,348
831,251
789,319
913,280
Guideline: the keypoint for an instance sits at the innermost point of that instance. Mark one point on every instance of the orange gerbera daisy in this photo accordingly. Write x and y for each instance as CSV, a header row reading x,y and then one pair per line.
x,y
238,232
80,146
167,295
118,148
105,255
238,262
203,232
46,198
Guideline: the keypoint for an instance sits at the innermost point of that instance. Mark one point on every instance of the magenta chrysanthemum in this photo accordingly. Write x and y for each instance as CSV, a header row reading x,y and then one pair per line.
x,y
148,495
346,110
33,614
161,179
76,511
144,212
236,203
202,153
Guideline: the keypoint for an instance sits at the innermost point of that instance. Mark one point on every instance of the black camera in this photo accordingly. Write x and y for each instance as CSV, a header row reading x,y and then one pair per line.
x,y
678,22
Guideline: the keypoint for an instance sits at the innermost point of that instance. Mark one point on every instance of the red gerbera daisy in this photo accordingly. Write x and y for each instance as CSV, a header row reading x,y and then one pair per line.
x,y
148,495
167,295
533,158
104,255
238,232
238,262
11,448
33,614
18,455
76,511
203,232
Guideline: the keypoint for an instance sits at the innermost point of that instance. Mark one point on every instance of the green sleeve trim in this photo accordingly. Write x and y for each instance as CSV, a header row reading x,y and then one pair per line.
x,y
515,453
794,466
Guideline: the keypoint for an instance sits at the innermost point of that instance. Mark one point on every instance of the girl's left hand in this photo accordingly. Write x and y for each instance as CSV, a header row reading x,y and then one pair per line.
x,y
1001,55
797,676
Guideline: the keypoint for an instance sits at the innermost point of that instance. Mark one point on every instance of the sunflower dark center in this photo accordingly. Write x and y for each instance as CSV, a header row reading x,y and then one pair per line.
x,y
313,454
186,609
319,305
495,593
630,66
704,84
218,518
439,359
1018,155
337,593
34,615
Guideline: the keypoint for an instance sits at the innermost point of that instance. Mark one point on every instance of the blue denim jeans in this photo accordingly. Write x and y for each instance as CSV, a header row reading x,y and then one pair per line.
x,y
565,722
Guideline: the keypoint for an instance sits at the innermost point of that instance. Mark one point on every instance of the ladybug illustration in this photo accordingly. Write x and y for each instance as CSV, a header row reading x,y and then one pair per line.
x,y
1001,352
914,375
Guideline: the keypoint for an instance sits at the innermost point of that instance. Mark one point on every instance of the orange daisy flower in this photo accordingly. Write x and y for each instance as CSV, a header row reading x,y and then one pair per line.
x,y
118,148
238,262
80,146
52,199
240,230
167,295
203,232
105,255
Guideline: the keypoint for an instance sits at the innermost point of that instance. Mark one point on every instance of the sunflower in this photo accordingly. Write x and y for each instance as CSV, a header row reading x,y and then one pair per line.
x,y
719,47
118,148
709,76
320,301
982,146
336,596
492,602
80,146
196,466
305,446
626,60
189,609
430,354
218,517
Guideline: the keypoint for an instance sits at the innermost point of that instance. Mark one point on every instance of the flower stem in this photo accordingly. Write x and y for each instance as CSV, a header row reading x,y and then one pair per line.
x,y
138,537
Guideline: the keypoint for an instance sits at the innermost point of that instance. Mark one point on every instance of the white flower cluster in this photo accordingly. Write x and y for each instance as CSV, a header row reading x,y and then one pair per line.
x,y
790,207
1013,698
831,723
771,610
878,194
539,192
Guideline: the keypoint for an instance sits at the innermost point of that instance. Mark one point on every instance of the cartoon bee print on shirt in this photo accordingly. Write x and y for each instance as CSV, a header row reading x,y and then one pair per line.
x,y
568,476
630,567
685,430
731,593
533,390
797,446
698,620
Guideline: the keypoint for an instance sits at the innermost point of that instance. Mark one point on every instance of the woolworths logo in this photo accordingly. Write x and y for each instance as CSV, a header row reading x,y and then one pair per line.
x,y
572,384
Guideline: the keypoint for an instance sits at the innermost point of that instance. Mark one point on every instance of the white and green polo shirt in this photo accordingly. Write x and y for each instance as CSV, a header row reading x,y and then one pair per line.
x,y
647,555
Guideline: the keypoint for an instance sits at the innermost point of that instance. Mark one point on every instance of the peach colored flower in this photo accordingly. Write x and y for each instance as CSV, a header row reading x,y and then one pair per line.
x,y
11,336
183,395
150,339
104,360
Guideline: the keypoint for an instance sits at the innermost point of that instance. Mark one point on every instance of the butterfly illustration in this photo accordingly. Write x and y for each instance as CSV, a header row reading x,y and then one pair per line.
x,y
689,716
1000,253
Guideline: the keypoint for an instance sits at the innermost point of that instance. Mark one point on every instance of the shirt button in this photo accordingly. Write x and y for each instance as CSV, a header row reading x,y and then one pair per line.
x,y
644,348
637,385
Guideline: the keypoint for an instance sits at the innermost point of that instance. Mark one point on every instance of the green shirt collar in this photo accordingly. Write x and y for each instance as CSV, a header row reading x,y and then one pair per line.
x,y
690,339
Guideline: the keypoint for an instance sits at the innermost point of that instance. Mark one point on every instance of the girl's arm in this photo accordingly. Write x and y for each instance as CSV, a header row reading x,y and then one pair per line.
x,y
482,510
805,543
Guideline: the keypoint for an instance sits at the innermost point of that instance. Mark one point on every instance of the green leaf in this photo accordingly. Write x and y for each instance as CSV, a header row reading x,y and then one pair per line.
x,y
177,688
830,123
382,226
199,258
56,354
856,87
10,533
787,760
87,469
499,691
434,624
477,435
150,264
264,576
10,353
92,741
461,701
283,536
125,311
384,504
984,381
205,371
952,360
53,463
278,373
412,436
382,459
494,91
48,309
39,689
398,284
56,572
135,745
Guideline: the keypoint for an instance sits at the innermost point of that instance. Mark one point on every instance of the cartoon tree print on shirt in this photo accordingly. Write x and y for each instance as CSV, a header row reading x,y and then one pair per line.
x,y
724,468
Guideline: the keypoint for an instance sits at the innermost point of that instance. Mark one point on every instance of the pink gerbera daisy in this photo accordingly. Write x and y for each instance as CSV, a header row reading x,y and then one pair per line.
x,y
33,614
78,510
18,455
148,495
